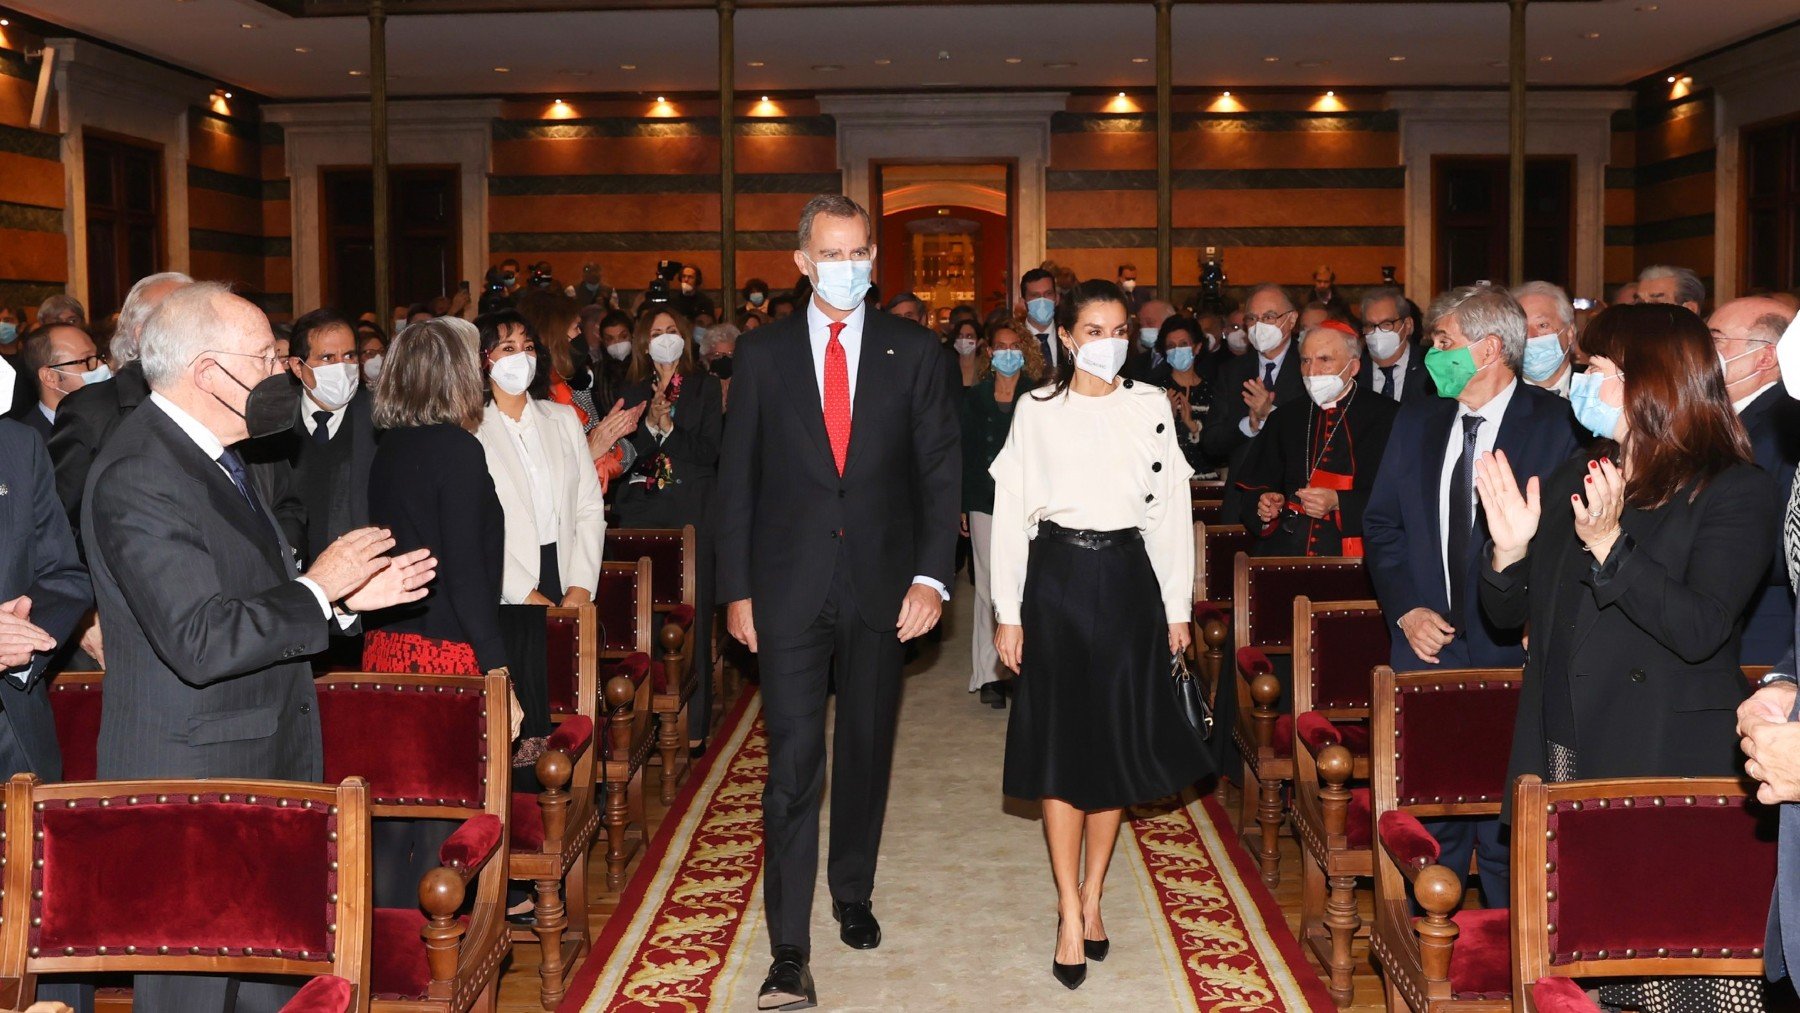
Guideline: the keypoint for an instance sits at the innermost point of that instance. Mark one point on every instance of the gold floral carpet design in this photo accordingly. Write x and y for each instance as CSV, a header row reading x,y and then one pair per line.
x,y
963,892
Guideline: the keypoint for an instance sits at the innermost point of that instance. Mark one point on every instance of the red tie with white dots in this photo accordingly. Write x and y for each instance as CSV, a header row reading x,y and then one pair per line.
x,y
837,397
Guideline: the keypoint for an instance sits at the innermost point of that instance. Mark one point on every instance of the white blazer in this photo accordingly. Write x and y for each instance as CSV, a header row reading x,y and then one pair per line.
x,y
581,514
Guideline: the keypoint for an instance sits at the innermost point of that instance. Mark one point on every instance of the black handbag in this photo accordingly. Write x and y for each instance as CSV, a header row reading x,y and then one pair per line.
x,y
1190,696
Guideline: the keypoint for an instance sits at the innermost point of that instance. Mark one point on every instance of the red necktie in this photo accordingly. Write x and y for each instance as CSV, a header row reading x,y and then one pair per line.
x,y
837,397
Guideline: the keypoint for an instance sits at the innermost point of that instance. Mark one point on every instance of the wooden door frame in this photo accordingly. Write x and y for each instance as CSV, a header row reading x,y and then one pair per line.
x,y
1438,282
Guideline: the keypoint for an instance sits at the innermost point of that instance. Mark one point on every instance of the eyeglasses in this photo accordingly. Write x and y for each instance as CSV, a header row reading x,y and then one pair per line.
x,y
1268,318
1383,325
88,364
271,362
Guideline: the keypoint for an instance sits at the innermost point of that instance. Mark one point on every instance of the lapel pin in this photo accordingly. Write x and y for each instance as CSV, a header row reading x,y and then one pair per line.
x,y
3,489
890,351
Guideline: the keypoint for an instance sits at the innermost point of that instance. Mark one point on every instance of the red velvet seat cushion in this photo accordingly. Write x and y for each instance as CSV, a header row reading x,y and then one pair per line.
x,y
472,844
527,822
397,966
1252,662
682,616
1205,611
572,736
635,667
1561,995
1356,818
327,993
1481,964
1411,844
1353,734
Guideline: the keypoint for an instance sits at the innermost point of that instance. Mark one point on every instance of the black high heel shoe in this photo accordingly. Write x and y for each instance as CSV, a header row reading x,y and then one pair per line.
x,y
1096,949
1071,975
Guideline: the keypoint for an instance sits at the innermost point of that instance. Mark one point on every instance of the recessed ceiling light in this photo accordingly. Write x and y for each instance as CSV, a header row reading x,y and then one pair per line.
x,y
1671,78
1059,65
1014,59
1271,59
4,23
1648,8
502,70
252,24
1331,94
1546,58
1140,59
1396,59
627,66
1121,94
754,63
227,94
884,61
660,100
358,73
765,98
827,67
1226,95
301,49
1590,36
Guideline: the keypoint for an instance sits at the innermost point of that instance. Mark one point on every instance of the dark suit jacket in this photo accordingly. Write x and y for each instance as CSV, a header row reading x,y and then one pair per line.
x,y
1773,422
37,558
1279,460
84,421
317,493
1400,525
1222,439
1652,659
781,504
1415,385
34,419
693,448
207,632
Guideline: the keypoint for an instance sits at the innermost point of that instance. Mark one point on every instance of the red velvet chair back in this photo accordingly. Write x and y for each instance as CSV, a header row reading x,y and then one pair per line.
x,y
1264,591
622,606
1219,546
430,746
571,637
1336,649
1209,511
209,876
75,704
1639,876
1440,740
671,554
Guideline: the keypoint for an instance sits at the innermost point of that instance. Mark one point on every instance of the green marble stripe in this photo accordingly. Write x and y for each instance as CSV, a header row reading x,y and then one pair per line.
x,y
14,64
624,126
30,218
1667,230
274,189
1627,177
31,143
633,242
1274,121
1347,235
1229,179
271,133
1652,114
213,241
203,178
657,183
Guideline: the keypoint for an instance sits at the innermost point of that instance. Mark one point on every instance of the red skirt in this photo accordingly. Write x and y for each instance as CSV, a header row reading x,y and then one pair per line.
x,y
384,651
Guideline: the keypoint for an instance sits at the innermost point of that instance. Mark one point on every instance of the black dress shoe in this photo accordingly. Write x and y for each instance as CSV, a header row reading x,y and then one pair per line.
x,y
990,694
1096,949
857,925
696,751
789,985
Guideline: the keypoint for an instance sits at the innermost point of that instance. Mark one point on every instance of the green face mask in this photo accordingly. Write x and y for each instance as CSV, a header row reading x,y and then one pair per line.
x,y
1452,369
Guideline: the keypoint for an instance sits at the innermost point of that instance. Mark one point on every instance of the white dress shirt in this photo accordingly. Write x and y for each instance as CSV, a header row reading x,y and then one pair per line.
x,y
308,407
1493,412
49,413
1261,360
1742,403
213,448
818,329
529,444
1379,371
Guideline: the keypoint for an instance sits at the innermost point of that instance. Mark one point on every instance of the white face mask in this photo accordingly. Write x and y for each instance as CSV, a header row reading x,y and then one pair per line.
x,y
1326,388
1383,342
666,349
620,350
1103,357
95,375
334,385
965,346
514,373
687,288
1128,284
371,367
1266,336
1235,340
1787,356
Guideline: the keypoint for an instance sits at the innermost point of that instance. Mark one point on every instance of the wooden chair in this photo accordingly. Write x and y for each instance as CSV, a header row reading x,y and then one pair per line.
x,y
110,877
1439,746
671,554
1633,877
1209,511
1207,488
552,831
1262,626
1216,547
1337,646
75,705
622,653
432,747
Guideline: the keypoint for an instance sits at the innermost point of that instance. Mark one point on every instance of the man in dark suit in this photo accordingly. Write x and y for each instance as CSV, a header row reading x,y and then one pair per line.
x,y
1392,365
1745,331
838,498
1250,386
62,359
1037,289
1422,531
333,445
86,418
208,626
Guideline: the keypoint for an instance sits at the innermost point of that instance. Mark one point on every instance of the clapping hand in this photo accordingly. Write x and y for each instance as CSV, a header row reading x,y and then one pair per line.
x,y
20,638
402,580
1512,519
618,423
1597,518
1260,400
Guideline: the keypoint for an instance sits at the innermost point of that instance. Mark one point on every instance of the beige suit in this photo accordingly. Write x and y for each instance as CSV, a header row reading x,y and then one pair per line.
x,y
574,490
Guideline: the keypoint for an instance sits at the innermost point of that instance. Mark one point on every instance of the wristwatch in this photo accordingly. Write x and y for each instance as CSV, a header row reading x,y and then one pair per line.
x,y
1774,677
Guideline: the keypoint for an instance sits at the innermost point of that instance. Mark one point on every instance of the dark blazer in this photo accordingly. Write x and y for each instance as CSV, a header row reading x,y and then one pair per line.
x,y
1221,439
208,635
984,430
1279,460
1652,657
782,507
1416,384
1400,524
34,419
1773,423
326,491
37,558
692,447
84,421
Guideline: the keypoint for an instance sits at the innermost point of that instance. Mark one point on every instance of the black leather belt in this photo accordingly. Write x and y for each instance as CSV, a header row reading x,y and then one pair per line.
x,y
1088,539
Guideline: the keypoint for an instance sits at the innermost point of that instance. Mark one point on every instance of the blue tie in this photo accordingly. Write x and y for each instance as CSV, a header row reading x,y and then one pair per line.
x,y
1387,381
234,466
1269,375
321,427
1462,518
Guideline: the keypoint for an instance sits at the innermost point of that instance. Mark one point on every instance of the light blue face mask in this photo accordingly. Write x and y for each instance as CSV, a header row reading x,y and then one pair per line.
x,y
1597,416
9,332
842,283
1008,361
1040,310
1181,359
1147,337
1544,355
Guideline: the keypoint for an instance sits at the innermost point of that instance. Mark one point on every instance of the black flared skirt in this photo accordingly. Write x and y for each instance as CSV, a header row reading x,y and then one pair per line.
x,y
1095,720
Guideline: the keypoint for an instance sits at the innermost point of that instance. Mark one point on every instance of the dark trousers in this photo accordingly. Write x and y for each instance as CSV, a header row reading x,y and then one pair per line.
x,y
795,672
1482,837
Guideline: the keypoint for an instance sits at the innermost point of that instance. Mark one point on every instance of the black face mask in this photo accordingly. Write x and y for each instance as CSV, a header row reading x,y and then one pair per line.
x,y
272,405
721,367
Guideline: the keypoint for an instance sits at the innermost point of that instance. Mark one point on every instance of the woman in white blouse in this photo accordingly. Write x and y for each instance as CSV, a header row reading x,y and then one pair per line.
x,y
543,473
1092,581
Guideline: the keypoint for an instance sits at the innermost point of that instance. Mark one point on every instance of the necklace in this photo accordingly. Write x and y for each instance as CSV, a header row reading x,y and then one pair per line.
x,y
1325,444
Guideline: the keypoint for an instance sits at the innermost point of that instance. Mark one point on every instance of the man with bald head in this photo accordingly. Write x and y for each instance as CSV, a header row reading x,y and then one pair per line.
x,y
1745,331
87,417
209,629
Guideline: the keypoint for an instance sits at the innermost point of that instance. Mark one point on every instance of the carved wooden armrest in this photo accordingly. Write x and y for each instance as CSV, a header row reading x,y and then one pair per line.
x,y
443,889
555,767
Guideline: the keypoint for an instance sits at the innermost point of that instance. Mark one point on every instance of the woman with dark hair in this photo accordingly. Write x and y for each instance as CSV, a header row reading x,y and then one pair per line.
x,y
755,297
1093,575
371,351
677,447
1183,344
967,343
1633,572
